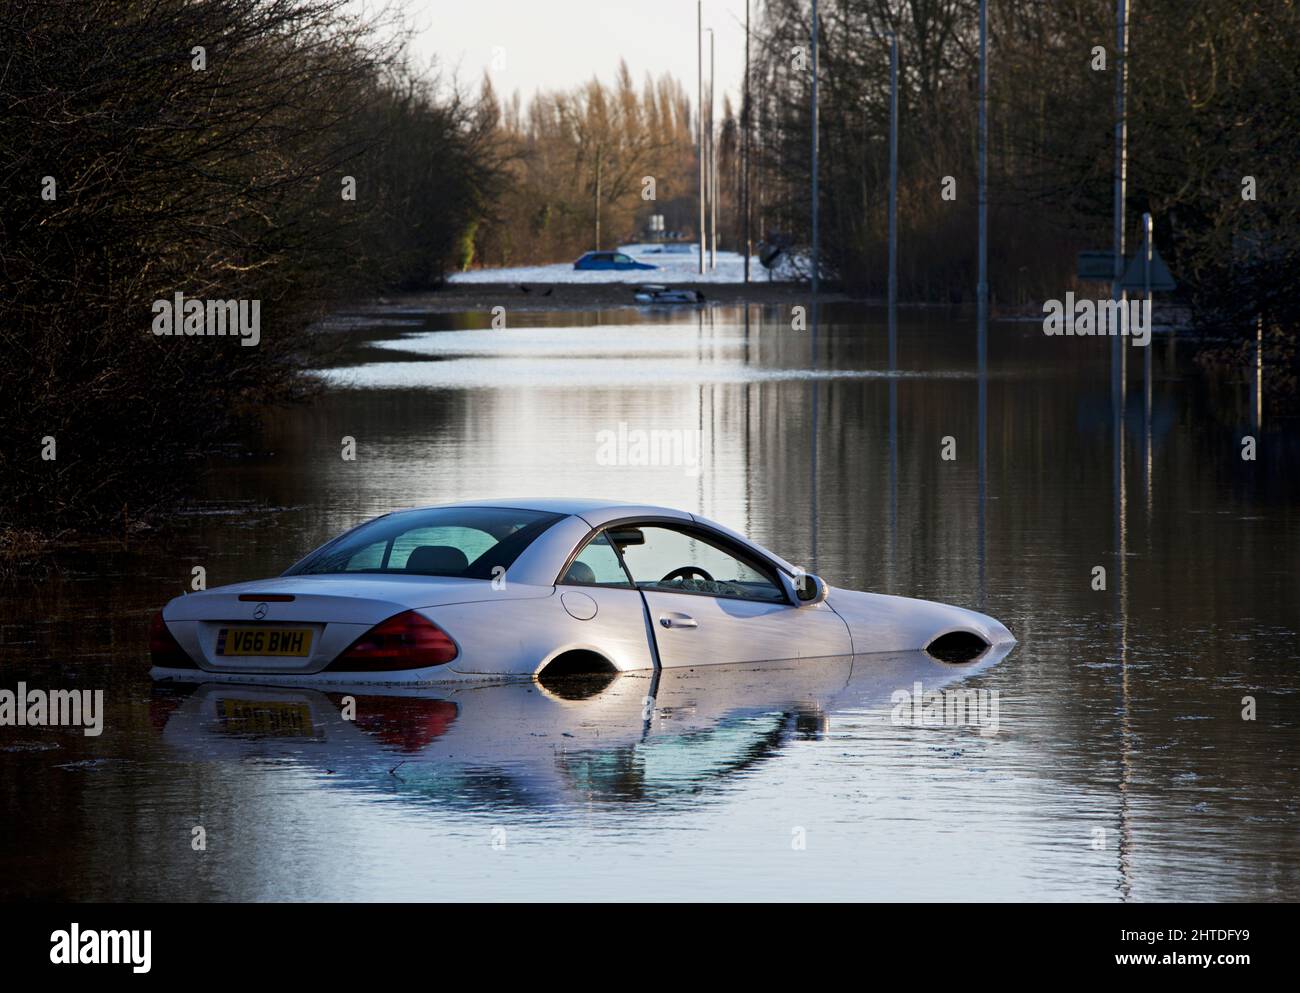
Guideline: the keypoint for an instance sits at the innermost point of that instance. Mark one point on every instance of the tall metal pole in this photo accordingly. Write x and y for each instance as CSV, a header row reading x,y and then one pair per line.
x,y
1121,181
982,288
744,148
699,47
816,192
713,167
893,310
893,198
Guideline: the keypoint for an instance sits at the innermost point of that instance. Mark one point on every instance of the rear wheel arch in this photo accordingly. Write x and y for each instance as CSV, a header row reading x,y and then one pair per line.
x,y
575,662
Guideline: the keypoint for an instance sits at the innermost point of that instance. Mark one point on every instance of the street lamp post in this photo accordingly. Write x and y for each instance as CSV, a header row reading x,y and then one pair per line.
x,y
1121,183
713,167
982,288
744,148
893,199
699,46
816,206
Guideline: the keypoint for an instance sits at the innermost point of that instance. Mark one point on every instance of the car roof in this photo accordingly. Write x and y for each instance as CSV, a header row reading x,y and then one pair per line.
x,y
578,506
598,513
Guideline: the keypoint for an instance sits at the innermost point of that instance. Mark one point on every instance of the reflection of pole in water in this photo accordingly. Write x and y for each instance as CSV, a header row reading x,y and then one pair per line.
x,y
893,472
749,475
1125,845
1126,751
983,470
1119,499
1259,371
699,413
1146,365
816,397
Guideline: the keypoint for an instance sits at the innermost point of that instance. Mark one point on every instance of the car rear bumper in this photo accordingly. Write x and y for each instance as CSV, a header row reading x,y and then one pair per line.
x,y
441,675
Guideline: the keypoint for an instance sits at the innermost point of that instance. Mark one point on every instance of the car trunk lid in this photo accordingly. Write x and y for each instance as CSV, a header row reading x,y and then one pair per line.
x,y
299,624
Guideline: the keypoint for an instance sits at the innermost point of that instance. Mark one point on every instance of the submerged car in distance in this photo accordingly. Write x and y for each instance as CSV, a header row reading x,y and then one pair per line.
x,y
508,589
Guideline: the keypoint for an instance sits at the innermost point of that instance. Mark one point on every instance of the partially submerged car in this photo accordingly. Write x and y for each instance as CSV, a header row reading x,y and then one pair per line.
x,y
521,588
610,260
656,293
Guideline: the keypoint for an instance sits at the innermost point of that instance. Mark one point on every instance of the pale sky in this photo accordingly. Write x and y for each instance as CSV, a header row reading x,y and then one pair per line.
x,y
550,44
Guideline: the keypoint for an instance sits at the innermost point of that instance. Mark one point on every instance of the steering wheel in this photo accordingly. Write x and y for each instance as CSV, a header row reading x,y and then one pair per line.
x,y
684,571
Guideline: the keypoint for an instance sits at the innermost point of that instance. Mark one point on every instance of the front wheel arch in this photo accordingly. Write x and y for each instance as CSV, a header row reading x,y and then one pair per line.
x,y
958,645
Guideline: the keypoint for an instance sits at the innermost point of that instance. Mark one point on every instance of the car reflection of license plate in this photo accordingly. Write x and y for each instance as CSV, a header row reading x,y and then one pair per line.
x,y
267,717
293,642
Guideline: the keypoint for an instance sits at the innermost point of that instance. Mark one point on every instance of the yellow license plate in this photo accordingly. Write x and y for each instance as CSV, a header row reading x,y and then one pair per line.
x,y
294,642
268,717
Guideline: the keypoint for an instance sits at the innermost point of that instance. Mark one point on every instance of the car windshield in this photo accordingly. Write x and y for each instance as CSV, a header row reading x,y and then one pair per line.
x,y
465,542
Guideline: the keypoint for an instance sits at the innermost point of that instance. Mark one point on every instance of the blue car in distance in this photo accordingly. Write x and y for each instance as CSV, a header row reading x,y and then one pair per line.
x,y
610,260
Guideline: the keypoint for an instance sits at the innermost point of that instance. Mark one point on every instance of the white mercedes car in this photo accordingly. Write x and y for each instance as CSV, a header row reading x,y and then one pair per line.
x,y
507,589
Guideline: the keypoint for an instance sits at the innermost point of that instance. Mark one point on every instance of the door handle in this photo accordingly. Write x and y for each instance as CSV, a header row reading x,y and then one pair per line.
x,y
678,621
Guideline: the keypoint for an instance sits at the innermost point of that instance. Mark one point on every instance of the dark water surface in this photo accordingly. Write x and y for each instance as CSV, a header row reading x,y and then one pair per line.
x,y
1121,767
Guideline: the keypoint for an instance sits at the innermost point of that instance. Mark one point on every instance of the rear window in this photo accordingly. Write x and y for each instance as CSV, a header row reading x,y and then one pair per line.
x,y
465,542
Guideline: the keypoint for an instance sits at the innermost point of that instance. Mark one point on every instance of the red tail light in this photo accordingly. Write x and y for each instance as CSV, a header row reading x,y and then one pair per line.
x,y
404,641
165,650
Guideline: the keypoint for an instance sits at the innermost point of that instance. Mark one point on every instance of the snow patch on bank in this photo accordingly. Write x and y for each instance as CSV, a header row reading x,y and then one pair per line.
x,y
676,264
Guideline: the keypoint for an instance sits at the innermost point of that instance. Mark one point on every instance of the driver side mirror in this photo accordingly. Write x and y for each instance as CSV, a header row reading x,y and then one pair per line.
x,y
806,589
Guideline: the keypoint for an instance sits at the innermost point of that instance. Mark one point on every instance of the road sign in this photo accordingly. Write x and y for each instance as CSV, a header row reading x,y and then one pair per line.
x,y
1096,265
1162,281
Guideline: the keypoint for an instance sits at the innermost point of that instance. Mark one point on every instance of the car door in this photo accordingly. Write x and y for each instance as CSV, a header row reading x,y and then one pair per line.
x,y
711,602
605,612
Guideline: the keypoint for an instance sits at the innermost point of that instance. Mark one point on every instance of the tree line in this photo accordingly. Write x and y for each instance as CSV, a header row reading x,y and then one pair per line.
x,y
270,150
585,168
1213,141
1213,137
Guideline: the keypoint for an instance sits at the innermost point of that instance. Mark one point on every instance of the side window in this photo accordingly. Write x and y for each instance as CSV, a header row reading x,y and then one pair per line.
x,y
597,564
673,561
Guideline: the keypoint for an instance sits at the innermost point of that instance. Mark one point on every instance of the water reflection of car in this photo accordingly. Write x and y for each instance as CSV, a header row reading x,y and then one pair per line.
x,y
513,589
615,738
610,260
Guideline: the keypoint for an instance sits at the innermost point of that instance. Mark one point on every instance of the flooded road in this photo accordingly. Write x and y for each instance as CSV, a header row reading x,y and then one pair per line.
x,y
1147,740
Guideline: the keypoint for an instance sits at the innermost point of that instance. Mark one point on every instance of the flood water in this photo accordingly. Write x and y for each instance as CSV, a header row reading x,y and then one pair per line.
x,y
1122,766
